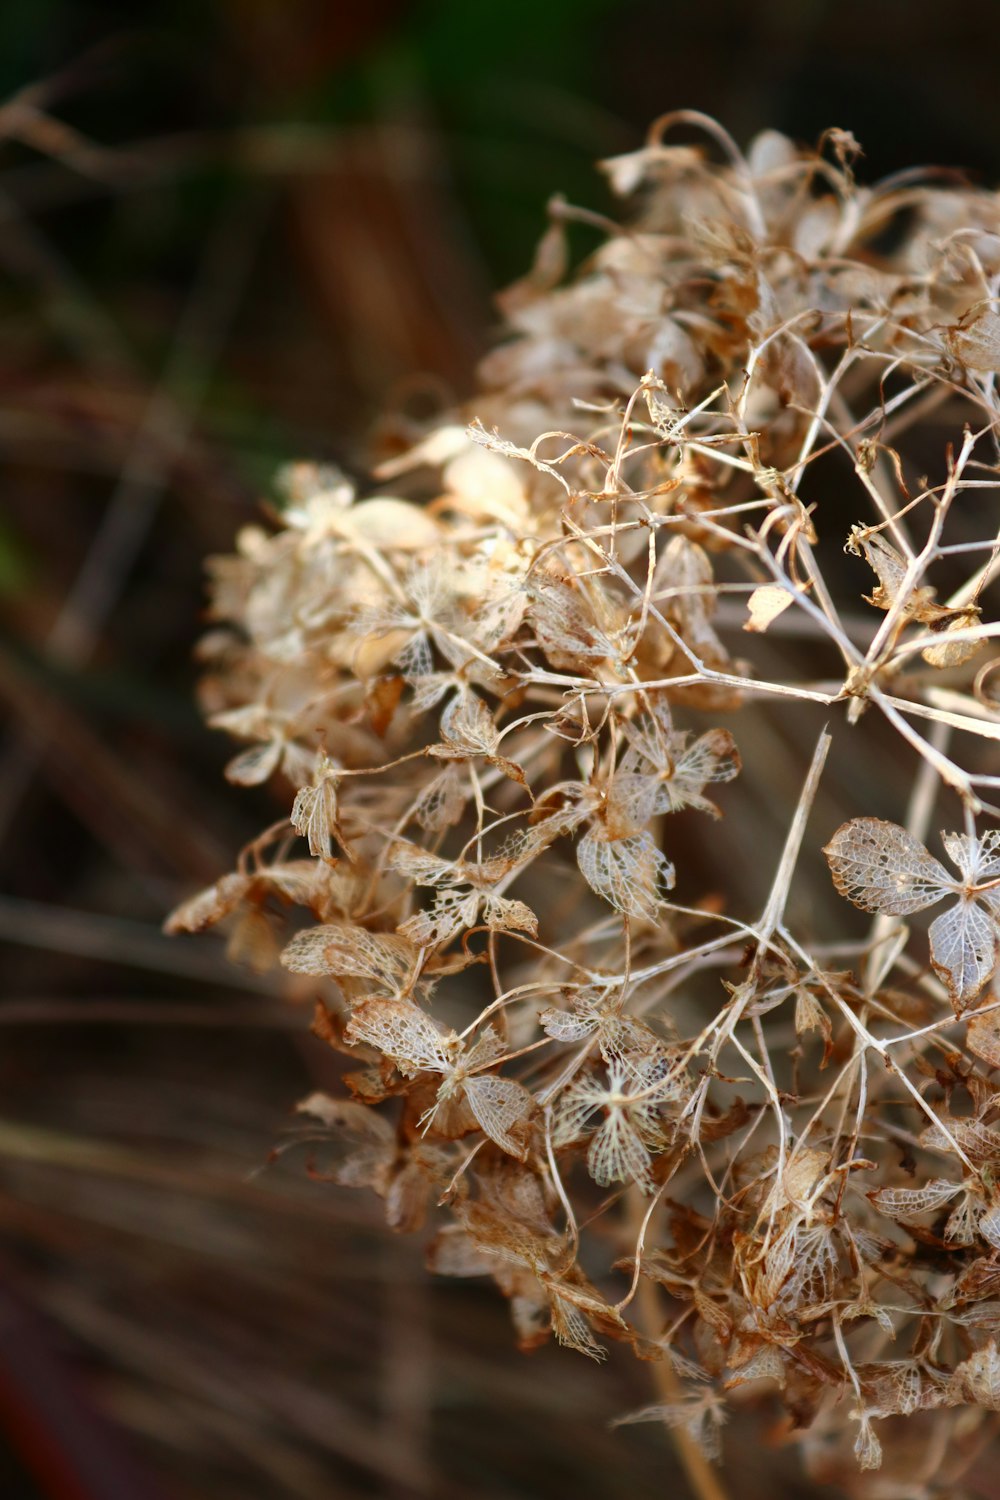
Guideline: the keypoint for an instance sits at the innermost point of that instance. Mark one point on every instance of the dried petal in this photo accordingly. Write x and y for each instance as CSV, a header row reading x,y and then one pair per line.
x,y
500,1105
402,1031
766,604
882,868
978,1377
964,946
630,874
905,1204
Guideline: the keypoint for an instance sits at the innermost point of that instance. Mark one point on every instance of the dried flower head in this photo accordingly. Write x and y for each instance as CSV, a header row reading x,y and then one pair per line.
x,y
499,702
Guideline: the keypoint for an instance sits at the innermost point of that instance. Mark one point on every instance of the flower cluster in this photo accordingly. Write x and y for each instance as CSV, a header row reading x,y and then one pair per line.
x,y
501,697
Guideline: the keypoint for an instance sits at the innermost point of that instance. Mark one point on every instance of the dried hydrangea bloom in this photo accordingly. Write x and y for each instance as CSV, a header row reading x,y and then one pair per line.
x,y
497,701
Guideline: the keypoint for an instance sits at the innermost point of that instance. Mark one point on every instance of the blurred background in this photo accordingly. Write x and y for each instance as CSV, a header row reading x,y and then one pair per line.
x,y
236,233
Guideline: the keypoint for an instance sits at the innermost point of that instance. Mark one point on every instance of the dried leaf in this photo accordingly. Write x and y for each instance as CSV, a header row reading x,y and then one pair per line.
x,y
501,914
983,1036
949,653
810,1016
989,1227
442,801
976,340
392,524
980,1143
765,604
